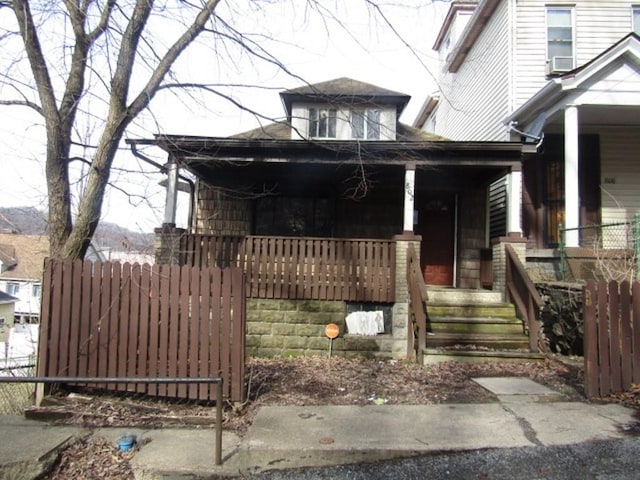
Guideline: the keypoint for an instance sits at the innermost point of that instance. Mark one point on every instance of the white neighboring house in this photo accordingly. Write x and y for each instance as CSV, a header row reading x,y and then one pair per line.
x,y
21,266
564,79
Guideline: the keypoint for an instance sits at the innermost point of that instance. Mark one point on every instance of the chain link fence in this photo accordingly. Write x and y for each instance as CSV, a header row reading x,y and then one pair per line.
x,y
15,397
606,252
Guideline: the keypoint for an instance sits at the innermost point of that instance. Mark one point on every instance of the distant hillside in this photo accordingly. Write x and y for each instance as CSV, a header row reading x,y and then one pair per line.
x,y
31,221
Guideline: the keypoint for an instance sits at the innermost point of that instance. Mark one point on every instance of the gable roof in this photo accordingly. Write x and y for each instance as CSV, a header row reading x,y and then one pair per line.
x,y
29,253
344,90
586,85
6,298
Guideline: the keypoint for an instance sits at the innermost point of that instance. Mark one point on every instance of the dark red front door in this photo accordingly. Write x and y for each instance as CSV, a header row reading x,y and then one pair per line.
x,y
436,224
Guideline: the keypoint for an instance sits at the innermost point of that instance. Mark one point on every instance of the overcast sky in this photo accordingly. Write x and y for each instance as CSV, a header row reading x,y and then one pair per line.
x,y
316,50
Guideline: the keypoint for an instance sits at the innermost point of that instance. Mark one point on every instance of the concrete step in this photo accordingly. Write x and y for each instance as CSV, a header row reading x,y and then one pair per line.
x,y
490,341
434,355
453,296
470,325
495,310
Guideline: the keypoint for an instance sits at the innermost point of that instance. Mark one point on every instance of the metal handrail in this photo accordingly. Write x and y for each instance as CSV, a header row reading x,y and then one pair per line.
x,y
216,380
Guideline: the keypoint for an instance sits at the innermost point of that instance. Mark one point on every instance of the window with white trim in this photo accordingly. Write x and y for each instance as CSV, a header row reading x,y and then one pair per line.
x,y
13,288
635,19
366,124
322,122
560,36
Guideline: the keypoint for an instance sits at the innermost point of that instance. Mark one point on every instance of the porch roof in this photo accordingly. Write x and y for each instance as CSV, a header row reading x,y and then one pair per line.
x,y
193,151
606,89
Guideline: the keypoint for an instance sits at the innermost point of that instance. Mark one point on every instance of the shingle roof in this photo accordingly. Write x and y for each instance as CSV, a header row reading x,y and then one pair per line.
x,y
344,90
282,131
344,87
6,298
29,252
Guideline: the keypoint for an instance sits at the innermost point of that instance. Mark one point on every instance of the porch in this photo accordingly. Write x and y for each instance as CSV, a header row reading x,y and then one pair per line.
x,y
295,287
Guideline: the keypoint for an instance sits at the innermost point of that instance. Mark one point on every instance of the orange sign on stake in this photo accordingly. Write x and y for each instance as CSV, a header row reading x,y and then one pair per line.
x,y
332,331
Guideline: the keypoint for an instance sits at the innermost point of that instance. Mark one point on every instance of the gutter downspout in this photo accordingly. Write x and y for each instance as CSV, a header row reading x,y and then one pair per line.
x,y
133,144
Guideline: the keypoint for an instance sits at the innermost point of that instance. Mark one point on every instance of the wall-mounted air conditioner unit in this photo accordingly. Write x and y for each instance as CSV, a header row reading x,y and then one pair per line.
x,y
559,65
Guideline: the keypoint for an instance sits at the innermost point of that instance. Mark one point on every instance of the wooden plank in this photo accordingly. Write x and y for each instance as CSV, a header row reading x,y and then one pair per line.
x,y
614,338
75,318
361,272
65,314
182,357
238,332
635,318
163,325
103,322
197,301
56,318
271,258
626,354
205,329
591,364
46,313
223,341
603,341
84,338
123,332
134,341
294,267
314,263
341,267
280,263
114,323
154,325
140,363
214,360
263,266
174,328
94,332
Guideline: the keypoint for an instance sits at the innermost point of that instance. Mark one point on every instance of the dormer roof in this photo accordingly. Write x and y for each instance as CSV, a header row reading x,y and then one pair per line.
x,y
345,91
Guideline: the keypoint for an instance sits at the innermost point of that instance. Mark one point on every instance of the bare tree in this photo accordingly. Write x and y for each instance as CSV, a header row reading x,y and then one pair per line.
x,y
94,66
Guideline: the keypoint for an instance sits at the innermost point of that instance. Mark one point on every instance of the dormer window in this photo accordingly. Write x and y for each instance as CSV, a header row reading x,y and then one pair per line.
x,y
322,122
365,124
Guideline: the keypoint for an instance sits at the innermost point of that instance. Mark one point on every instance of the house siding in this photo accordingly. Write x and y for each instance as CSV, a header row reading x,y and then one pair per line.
x,y
468,108
220,214
592,36
620,174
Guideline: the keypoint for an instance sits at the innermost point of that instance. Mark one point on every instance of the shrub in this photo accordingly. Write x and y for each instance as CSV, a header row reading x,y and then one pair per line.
x,y
562,317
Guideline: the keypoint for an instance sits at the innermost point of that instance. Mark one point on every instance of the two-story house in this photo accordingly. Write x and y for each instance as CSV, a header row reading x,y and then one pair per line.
x,y
563,78
325,192
21,264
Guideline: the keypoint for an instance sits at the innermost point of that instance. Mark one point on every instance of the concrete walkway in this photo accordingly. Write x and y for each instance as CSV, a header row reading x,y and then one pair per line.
x,y
527,415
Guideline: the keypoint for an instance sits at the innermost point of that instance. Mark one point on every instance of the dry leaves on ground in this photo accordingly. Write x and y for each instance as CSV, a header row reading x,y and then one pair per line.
x,y
295,381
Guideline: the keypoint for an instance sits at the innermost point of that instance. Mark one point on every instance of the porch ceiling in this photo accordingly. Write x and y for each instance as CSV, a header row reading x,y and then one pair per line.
x,y
591,117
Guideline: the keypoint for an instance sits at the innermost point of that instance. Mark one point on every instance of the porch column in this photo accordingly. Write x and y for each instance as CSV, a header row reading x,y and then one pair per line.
x,y
571,195
409,197
514,203
172,193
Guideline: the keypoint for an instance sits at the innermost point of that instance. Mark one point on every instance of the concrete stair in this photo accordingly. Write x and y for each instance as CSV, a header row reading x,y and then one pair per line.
x,y
473,325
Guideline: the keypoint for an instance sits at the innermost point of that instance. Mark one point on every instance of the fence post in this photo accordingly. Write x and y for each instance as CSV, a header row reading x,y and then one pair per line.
x,y
636,238
561,233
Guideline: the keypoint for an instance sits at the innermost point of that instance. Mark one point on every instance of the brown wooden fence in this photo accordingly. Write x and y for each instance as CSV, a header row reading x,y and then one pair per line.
x,y
302,268
122,320
611,337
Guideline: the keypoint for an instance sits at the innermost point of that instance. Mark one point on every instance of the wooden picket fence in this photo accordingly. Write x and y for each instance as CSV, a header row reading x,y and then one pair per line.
x,y
129,320
611,337
358,270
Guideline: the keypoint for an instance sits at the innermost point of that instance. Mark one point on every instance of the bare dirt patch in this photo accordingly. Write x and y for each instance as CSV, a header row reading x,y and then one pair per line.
x,y
292,381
